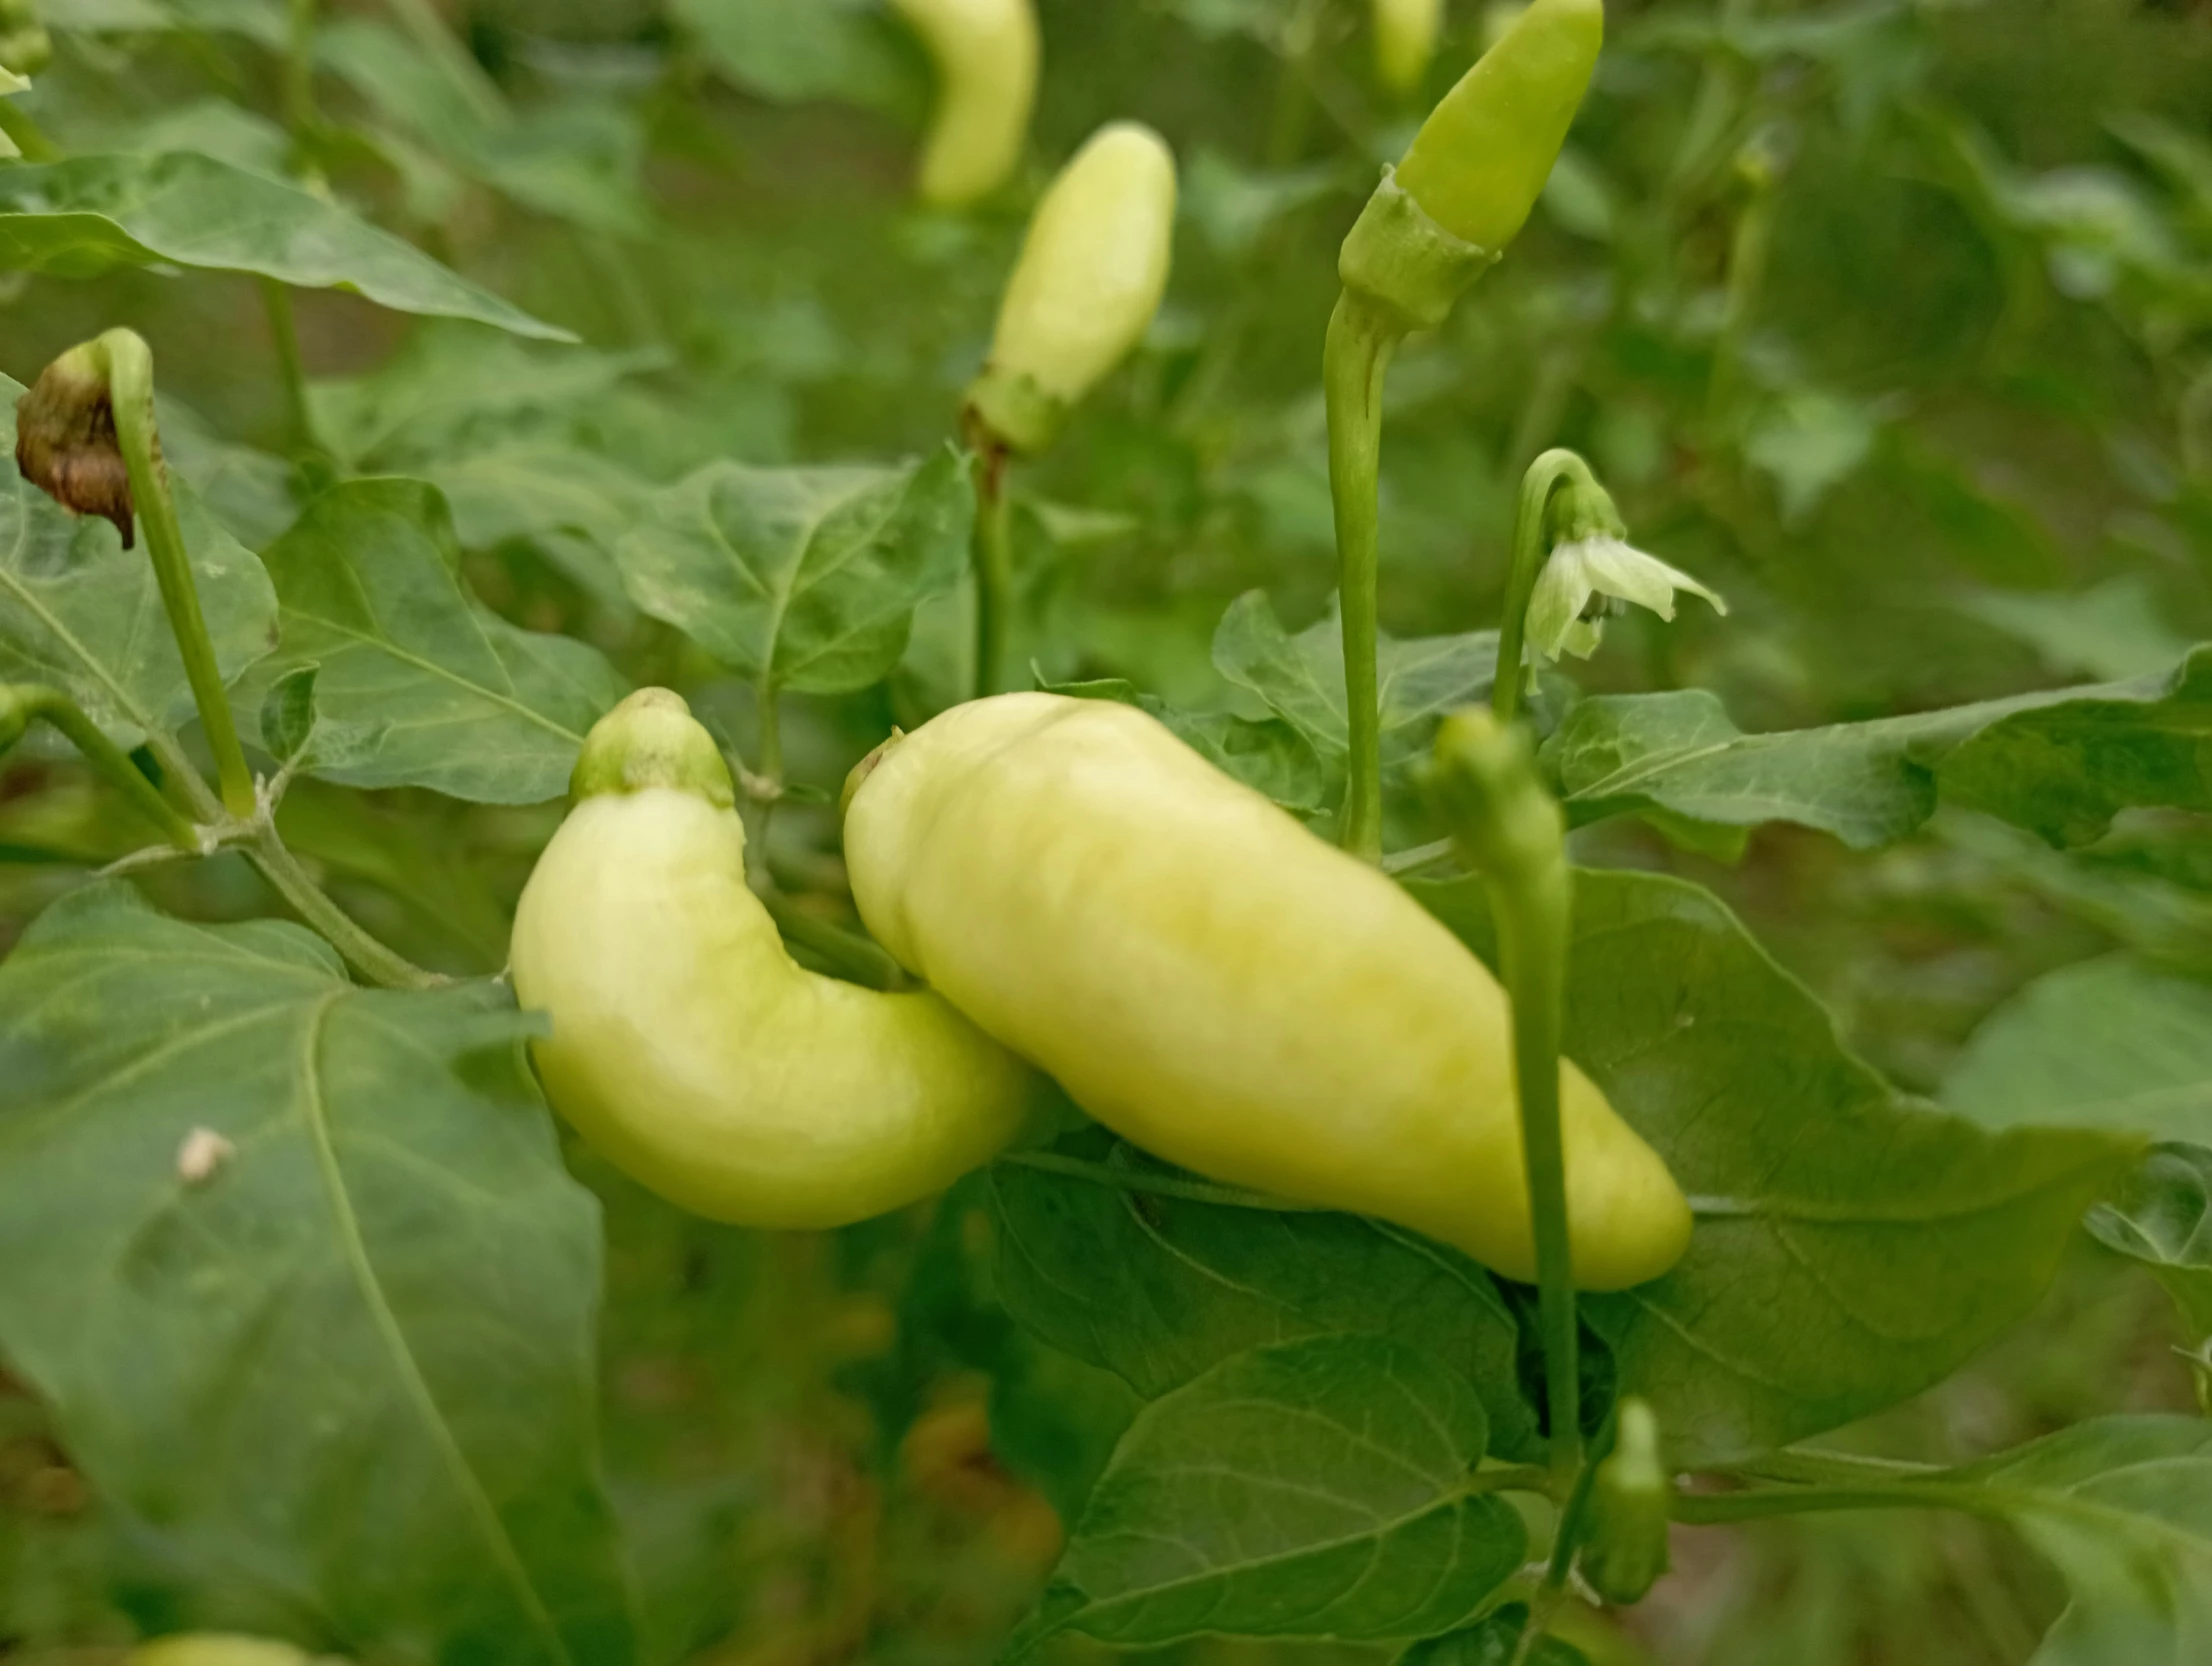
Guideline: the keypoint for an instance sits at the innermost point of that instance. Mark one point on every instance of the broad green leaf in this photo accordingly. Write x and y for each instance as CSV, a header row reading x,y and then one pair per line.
x,y
2163,1218
80,611
2061,762
2065,768
299,1270
448,695
1319,1488
1268,756
255,494
1158,1289
259,20
1853,1247
2105,1044
2113,631
803,578
454,390
1301,678
94,213
1492,1643
574,505
794,50
2123,1506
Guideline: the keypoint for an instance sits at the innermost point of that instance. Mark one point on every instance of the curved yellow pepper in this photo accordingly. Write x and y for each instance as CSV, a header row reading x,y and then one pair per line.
x,y
986,55
1405,41
690,1049
1216,984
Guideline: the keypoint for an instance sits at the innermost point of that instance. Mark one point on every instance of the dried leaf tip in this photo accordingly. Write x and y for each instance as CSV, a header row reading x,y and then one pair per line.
x,y
65,442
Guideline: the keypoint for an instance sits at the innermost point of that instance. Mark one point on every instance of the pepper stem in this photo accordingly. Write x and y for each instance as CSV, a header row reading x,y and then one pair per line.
x,y
23,703
129,366
994,566
1355,362
1507,827
1531,547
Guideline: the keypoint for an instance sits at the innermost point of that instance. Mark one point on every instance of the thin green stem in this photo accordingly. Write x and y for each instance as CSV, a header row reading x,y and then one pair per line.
x,y
29,138
276,299
1574,1518
1804,1466
380,965
994,569
1531,546
300,114
856,959
130,375
29,702
1354,364
768,704
1717,1509
1157,1185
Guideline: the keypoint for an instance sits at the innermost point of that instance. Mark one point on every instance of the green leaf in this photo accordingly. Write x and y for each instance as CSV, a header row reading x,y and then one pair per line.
x,y
1319,1488
92,214
2123,1506
2105,1044
1158,1289
1301,678
2114,631
1268,756
81,612
803,578
259,20
299,1270
2163,1218
443,692
794,50
1492,1643
1853,1247
2062,762
288,713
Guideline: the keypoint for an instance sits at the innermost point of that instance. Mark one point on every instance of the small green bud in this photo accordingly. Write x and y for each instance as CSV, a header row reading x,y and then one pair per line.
x,y
1484,779
651,740
1631,1503
1092,270
25,47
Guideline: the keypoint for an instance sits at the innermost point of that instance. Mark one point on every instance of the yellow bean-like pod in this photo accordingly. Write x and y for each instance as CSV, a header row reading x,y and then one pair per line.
x,y
1216,984
1405,40
1091,274
691,1050
216,1648
986,55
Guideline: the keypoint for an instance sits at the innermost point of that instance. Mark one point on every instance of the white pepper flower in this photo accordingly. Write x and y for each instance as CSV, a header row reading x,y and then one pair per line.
x,y
1590,577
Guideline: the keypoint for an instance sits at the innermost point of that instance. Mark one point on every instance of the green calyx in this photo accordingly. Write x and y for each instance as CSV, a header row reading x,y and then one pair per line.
x,y
1009,410
1402,262
652,740
1503,819
1481,159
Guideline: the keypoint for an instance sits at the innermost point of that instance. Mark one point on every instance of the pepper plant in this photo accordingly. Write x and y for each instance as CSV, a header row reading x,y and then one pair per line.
x,y
653,783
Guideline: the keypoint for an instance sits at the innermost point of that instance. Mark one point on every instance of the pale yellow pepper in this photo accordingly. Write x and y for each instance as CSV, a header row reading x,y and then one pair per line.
x,y
986,54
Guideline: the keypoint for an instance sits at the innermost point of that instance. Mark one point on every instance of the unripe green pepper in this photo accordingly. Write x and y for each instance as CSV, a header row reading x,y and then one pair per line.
x,y
986,56
688,1046
1405,40
1092,270
1221,987
1631,1503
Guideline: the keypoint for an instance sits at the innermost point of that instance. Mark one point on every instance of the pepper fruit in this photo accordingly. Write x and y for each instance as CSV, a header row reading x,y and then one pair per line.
x,y
1092,270
1405,40
216,1648
1631,1503
986,55
690,1049
1221,987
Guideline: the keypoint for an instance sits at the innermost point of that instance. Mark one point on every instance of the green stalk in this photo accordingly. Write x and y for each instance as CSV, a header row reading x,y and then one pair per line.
x,y
454,61
1354,364
129,365
1574,1520
1716,1509
299,73
29,138
25,703
1531,547
994,569
380,965
1508,828
276,299
857,959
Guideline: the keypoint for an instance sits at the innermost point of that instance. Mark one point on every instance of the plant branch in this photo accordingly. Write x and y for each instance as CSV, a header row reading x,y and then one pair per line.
x,y
1354,365
284,333
25,703
857,959
1717,1509
1574,1519
380,965
994,568
129,367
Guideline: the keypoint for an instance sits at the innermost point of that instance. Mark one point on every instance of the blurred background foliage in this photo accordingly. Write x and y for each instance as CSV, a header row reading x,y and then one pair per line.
x,y
1892,319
